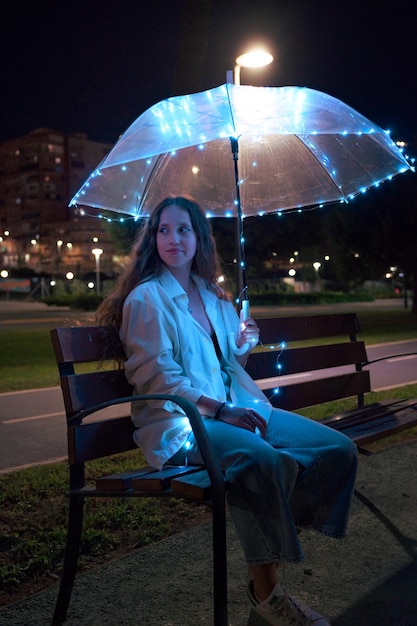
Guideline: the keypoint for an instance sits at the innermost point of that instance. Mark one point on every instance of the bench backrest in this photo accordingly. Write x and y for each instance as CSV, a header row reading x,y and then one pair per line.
x,y
74,346
293,377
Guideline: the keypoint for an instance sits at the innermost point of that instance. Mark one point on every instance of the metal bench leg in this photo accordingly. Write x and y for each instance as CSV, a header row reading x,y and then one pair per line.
x,y
75,522
219,560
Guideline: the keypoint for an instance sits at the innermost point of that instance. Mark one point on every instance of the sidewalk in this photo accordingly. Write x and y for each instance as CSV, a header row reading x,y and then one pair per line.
x,y
368,579
21,311
28,306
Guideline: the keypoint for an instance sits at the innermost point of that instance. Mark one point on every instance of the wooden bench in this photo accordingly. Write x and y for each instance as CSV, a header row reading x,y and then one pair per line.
x,y
364,423
272,365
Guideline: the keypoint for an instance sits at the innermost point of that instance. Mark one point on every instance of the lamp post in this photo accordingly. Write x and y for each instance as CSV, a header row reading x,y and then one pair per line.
x,y
59,244
257,57
97,253
317,266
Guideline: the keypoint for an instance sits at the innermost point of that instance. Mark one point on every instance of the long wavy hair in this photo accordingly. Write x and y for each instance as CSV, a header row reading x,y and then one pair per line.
x,y
145,262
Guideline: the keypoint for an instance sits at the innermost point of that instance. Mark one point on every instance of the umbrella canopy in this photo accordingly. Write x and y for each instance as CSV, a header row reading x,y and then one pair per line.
x,y
296,147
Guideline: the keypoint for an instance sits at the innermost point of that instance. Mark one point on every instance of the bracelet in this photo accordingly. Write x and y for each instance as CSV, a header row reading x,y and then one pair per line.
x,y
218,409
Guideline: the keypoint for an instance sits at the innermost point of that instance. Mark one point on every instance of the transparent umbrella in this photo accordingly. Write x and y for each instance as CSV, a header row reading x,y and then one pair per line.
x,y
242,151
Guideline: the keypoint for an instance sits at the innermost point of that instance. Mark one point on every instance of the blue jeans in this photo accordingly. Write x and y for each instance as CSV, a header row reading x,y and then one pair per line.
x,y
301,475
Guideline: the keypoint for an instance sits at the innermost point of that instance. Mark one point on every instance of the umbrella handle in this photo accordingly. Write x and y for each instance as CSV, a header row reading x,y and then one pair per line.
x,y
245,313
245,309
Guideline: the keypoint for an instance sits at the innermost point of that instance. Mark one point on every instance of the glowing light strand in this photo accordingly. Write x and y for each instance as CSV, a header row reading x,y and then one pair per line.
x,y
278,366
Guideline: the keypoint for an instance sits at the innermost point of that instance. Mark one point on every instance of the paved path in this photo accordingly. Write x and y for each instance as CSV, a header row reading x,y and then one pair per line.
x,y
367,579
15,307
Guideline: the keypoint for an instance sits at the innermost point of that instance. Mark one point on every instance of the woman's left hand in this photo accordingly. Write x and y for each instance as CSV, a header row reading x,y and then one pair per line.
x,y
242,418
248,333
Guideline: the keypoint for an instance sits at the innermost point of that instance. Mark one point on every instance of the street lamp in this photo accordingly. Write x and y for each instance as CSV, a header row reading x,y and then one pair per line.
x,y
97,253
317,266
258,57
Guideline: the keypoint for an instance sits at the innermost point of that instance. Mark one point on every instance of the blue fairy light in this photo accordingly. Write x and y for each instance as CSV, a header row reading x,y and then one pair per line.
x,y
193,121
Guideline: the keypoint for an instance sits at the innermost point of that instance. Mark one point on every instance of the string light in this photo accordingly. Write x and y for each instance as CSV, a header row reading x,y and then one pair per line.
x,y
229,214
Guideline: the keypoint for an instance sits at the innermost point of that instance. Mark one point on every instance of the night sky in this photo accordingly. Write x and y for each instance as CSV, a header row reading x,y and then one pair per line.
x,y
94,67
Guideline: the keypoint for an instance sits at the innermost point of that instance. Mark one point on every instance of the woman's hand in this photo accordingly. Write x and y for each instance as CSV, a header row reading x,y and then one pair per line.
x,y
248,332
243,418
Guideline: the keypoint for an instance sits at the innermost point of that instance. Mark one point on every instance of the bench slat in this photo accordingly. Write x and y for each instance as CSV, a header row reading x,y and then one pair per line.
x,y
389,424
196,486
305,394
306,359
276,330
81,344
161,480
95,440
369,412
122,481
81,391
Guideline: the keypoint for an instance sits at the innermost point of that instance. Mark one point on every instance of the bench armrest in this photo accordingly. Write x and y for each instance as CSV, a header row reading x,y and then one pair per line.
x,y
389,356
197,425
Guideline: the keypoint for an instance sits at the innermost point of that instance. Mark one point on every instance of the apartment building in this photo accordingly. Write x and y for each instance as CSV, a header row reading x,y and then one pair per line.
x,y
39,174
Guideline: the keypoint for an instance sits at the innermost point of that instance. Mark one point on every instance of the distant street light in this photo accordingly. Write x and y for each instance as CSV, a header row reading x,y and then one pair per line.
x,y
97,253
317,266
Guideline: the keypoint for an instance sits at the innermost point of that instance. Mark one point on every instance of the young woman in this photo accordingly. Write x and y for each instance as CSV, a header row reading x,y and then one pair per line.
x,y
285,471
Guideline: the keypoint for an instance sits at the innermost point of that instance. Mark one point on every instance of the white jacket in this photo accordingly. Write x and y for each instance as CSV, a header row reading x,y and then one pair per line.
x,y
168,352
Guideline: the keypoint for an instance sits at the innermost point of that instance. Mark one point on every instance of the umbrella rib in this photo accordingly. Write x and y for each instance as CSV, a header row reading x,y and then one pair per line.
x,y
319,161
150,178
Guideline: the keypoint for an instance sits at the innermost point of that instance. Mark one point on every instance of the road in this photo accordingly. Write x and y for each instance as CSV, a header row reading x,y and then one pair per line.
x,y
33,429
